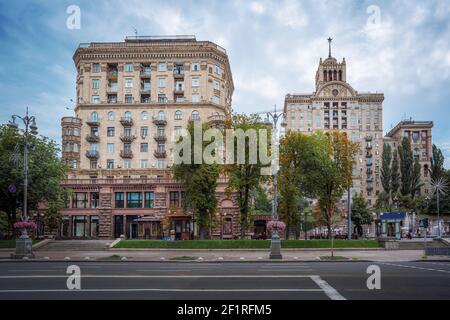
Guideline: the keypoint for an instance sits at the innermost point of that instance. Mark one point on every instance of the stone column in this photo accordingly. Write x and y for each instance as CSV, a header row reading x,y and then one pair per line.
x,y
105,215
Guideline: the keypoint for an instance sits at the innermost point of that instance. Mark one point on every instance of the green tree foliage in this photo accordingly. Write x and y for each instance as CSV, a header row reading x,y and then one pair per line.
x,y
199,182
361,214
416,183
246,177
46,171
383,203
395,175
262,204
437,164
386,173
406,167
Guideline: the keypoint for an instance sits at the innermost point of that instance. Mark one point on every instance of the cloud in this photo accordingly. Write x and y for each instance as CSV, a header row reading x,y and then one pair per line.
x,y
257,8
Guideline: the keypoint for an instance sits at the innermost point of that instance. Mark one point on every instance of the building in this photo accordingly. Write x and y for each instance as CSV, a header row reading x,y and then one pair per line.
x,y
335,104
420,137
134,98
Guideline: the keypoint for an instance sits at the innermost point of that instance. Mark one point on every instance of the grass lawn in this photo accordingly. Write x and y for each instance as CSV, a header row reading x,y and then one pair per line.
x,y
11,244
243,244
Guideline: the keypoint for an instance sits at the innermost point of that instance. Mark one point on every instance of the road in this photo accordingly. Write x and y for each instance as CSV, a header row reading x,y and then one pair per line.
x,y
235,281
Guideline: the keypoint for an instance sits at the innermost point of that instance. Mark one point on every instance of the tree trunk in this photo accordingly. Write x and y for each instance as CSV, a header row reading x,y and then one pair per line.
x,y
202,232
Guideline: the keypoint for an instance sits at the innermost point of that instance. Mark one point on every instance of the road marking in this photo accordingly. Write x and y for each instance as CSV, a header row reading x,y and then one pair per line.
x,y
329,290
285,270
168,270
415,267
159,276
159,289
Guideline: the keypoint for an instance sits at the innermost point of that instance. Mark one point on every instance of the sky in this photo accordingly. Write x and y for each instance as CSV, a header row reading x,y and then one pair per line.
x,y
398,47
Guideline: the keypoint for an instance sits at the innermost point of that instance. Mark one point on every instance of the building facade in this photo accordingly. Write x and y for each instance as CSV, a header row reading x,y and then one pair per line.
x,y
134,99
419,135
335,104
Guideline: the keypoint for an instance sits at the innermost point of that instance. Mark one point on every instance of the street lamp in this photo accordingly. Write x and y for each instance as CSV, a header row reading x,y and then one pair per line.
x,y
275,243
24,243
439,187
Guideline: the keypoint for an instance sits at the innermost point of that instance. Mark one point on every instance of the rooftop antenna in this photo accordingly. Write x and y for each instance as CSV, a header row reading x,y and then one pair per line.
x,y
135,32
329,46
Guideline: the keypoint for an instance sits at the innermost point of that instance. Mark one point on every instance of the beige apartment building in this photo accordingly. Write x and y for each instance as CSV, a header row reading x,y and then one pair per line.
x,y
420,137
335,104
133,99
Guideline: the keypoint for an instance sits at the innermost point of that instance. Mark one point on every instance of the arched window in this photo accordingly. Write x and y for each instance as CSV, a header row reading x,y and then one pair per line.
x,y
335,75
330,75
178,115
144,115
94,116
325,75
111,116
340,75
195,115
161,115
67,147
128,115
75,147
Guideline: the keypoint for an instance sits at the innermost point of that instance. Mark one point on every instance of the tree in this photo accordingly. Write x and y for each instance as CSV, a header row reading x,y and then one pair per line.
x,y
386,172
199,181
416,184
262,203
245,177
383,202
395,175
361,214
406,166
437,164
332,164
46,171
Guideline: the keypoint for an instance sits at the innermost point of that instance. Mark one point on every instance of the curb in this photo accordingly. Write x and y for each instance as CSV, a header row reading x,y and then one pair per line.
x,y
42,243
251,250
194,261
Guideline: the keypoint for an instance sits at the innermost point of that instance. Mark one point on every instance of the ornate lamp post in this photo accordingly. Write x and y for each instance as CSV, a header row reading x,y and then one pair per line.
x,y
440,188
24,243
275,244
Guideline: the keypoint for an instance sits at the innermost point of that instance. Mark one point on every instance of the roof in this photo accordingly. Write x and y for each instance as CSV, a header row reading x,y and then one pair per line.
x,y
409,124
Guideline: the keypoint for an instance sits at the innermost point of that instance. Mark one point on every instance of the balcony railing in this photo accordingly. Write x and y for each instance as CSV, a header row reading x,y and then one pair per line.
x,y
112,89
160,154
216,119
159,121
127,138
92,138
92,154
93,123
127,122
146,73
160,138
146,89
112,74
178,72
126,154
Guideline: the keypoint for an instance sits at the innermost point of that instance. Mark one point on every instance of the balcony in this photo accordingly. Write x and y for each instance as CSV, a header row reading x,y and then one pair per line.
x,y
368,138
146,90
126,154
194,119
127,138
160,154
93,123
113,89
92,138
145,74
216,119
369,164
178,72
145,98
161,138
369,187
112,74
159,121
92,154
180,99
112,99
369,146
127,122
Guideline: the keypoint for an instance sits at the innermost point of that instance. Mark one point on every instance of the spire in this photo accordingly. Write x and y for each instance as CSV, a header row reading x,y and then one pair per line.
x,y
329,46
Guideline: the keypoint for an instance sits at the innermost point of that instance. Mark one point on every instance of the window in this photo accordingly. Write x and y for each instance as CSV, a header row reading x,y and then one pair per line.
x,y
318,120
74,164
149,200
95,83
146,85
216,85
144,164
177,131
161,164
76,132
195,97
95,99
196,82
144,147
144,132
174,199
127,132
80,200
129,83
195,66
110,148
217,70
75,147
162,67
161,82
94,164
195,115
161,115
127,115
127,164
67,147
94,116
120,200
96,67
111,116
134,200
95,200
129,67
162,98
144,115
110,132
128,98
161,131
178,115
216,99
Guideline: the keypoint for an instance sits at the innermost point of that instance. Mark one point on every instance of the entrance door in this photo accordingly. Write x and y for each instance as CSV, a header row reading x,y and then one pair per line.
x,y
132,227
118,226
390,229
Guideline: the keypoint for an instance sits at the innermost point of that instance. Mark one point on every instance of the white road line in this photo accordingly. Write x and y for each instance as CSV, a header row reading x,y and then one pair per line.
x,y
161,290
168,270
415,267
329,290
285,270
438,264
159,276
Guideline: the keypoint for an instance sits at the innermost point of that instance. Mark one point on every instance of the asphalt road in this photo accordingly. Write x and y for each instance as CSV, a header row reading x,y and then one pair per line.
x,y
226,281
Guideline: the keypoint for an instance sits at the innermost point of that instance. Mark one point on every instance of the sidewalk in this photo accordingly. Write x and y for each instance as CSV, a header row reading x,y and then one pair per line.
x,y
236,255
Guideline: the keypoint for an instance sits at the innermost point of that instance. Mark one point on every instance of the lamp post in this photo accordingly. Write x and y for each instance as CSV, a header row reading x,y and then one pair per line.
x,y
275,244
24,243
396,200
439,187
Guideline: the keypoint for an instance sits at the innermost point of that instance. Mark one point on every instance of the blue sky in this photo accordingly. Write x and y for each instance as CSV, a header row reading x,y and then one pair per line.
x,y
274,49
